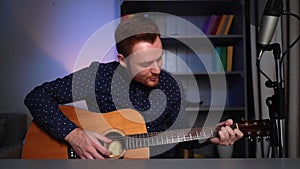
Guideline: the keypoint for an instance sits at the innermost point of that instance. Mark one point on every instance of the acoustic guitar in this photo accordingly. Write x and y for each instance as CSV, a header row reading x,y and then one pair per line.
x,y
127,130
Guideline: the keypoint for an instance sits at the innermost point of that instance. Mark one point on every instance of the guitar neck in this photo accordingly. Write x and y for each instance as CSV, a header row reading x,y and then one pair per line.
x,y
135,141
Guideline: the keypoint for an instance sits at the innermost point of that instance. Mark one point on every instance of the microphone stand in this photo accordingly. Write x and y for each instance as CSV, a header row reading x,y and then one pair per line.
x,y
276,106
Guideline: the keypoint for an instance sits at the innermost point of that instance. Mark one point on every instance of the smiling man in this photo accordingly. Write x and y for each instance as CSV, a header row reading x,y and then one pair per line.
x,y
136,81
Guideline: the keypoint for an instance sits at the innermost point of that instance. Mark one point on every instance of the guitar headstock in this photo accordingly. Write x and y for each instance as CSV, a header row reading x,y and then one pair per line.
x,y
255,128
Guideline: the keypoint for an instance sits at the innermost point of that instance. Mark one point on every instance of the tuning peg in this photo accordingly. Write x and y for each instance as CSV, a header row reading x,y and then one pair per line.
x,y
250,139
268,138
258,139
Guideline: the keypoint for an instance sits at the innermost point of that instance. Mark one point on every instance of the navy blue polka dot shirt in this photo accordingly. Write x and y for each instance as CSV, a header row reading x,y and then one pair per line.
x,y
105,88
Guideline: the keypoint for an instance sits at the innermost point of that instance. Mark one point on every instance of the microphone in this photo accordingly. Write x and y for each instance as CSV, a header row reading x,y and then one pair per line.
x,y
271,14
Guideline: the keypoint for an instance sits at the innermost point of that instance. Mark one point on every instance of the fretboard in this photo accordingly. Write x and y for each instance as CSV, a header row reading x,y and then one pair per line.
x,y
167,137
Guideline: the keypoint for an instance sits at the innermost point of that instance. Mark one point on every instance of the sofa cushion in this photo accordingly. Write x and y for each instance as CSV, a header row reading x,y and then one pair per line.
x,y
14,128
12,151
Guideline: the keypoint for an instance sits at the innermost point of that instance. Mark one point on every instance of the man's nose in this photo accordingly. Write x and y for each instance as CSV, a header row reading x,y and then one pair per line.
x,y
155,68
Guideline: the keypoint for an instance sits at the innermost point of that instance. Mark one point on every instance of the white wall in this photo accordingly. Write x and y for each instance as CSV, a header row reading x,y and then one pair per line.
x,y
41,40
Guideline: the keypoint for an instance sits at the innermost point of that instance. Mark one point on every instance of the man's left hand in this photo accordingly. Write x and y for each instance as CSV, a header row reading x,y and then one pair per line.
x,y
227,135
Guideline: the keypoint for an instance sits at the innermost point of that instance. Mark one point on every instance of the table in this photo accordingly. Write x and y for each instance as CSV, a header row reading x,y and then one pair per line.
x,y
280,163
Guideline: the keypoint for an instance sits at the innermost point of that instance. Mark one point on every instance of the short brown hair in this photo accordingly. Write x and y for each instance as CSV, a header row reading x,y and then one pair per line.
x,y
134,29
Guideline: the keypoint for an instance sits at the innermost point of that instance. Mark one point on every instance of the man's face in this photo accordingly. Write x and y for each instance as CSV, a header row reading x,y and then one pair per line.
x,y
145,62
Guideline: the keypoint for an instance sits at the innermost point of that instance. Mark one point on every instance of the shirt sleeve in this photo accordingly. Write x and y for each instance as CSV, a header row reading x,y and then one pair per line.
x,y
44,100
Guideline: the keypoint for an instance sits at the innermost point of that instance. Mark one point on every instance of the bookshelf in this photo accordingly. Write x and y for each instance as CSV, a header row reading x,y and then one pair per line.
x,y
186,43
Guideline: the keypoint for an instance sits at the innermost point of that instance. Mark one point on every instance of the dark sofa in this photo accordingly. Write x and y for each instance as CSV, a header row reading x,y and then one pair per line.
x,y
13,127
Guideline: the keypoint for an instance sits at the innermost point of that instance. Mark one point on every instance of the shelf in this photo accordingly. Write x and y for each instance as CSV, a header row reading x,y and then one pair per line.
x,y
202,7
206,109
233,73
200,39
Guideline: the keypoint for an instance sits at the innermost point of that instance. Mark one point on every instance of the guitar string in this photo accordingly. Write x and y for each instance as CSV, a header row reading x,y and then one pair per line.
x,y
186,132
197,134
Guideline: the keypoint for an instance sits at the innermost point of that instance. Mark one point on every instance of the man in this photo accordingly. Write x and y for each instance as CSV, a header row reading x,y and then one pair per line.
x,y
136,81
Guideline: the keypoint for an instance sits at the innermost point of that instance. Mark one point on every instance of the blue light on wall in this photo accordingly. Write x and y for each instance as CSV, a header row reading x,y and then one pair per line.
x,y
41,40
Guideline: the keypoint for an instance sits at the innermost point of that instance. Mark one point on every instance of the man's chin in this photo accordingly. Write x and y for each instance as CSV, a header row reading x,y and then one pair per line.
x,y
151,84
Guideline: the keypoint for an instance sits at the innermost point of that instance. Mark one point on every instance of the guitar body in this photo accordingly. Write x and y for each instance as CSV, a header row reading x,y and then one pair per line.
x,y
39,145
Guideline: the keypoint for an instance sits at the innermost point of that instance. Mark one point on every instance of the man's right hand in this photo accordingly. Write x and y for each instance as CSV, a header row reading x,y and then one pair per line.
x,y
86,144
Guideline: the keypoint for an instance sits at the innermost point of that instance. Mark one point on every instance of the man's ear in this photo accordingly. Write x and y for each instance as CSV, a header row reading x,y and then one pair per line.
x,y
122,60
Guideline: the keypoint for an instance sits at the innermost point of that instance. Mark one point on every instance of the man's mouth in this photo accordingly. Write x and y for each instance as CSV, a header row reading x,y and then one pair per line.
x,y
154,78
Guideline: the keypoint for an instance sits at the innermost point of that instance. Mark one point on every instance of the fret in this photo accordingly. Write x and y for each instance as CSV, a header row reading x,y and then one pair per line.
x,y
174,136
145,140
148,141
182,137
132,142
193,134
187,136
152,141
155,138
126,143
167,138
135,142
191,137
198,134
178,136
129,143
158,140
140,141
204,134
161,137
170,137
183,134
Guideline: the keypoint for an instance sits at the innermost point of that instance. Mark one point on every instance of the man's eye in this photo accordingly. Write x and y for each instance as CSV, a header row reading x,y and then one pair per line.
x,y
145,64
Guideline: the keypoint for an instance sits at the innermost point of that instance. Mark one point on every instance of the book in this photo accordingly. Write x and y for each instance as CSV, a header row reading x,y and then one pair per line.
x,y
219,59
216,25
228,24
229,58
216,62
212,22
223,58
221,24
209,24
205,25
225,24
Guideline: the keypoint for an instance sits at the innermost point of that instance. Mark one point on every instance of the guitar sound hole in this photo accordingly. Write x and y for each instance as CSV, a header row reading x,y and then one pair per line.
x,y
117,146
